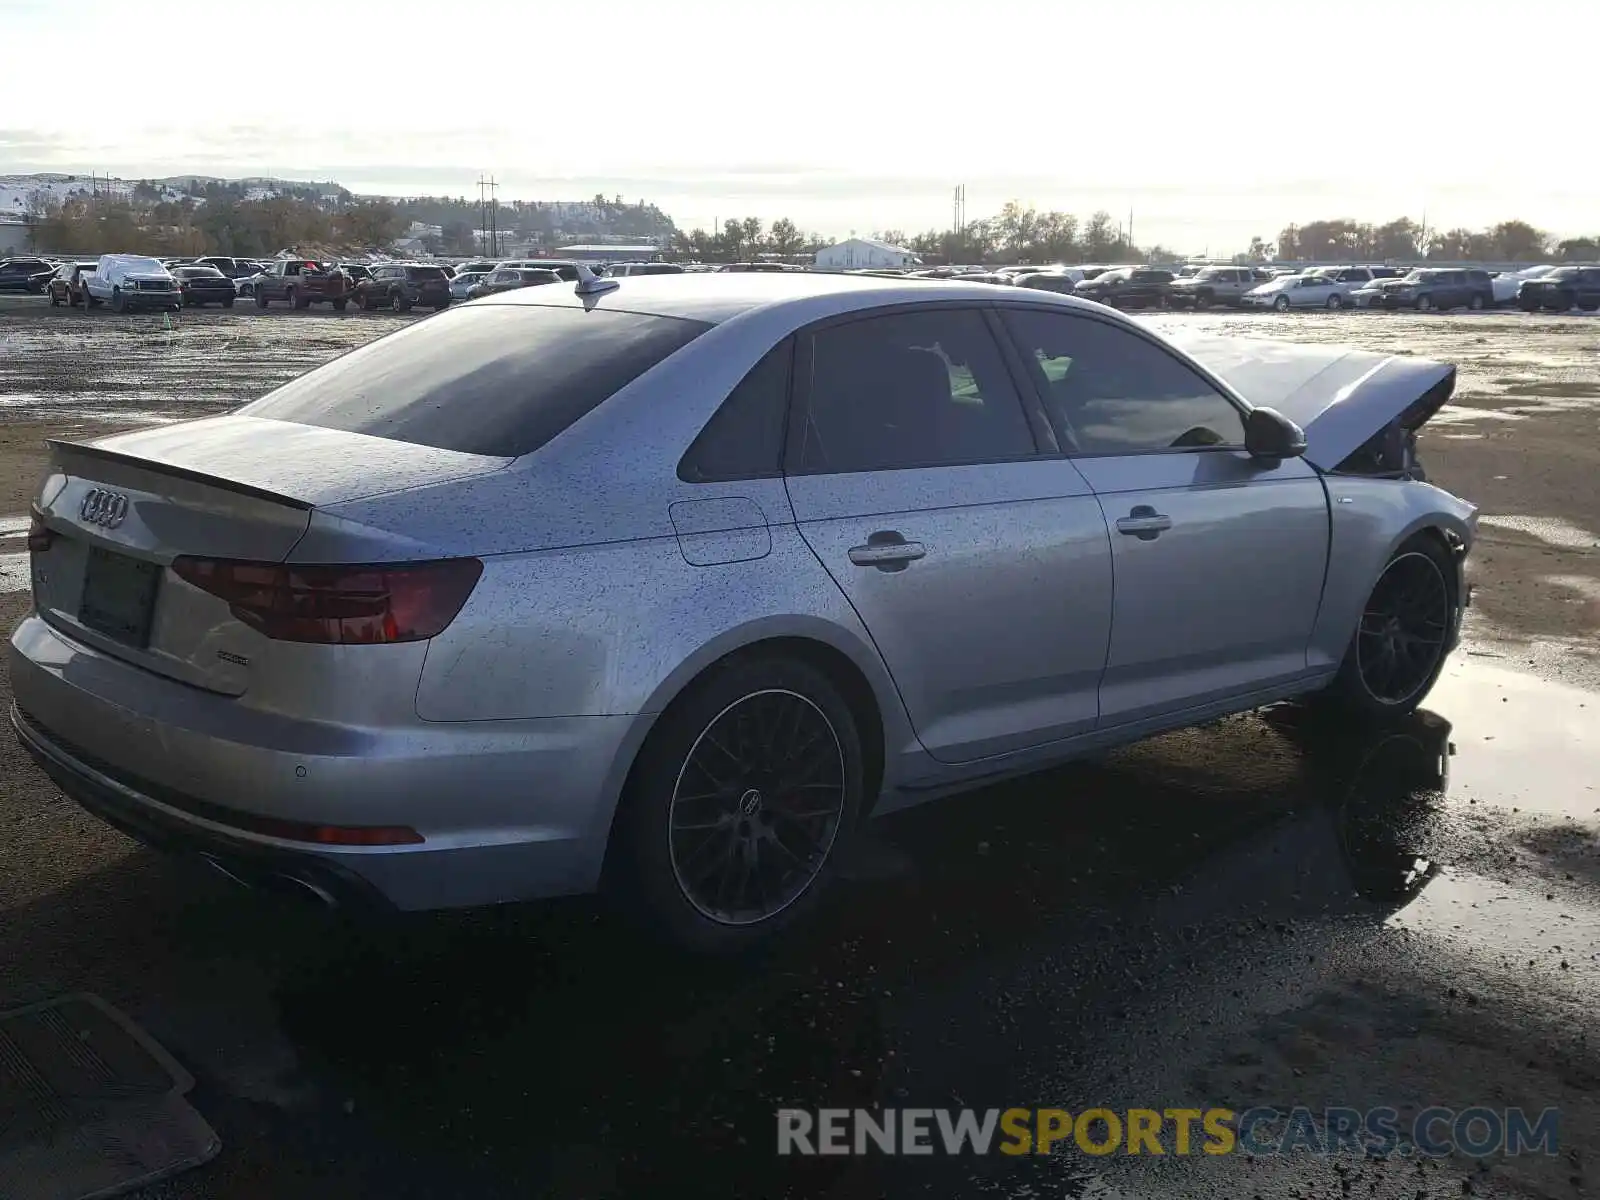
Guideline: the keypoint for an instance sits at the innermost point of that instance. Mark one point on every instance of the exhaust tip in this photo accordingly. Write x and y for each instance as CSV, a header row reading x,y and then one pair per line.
x,y
304,889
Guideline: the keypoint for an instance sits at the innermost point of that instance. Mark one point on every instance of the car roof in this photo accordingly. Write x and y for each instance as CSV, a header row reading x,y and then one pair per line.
x,y
714,297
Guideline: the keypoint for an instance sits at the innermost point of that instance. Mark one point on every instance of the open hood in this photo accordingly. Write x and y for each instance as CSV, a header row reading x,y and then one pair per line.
x,y
1342,398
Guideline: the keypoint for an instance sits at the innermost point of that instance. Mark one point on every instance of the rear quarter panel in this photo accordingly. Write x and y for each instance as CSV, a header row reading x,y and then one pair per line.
x,y
1370,520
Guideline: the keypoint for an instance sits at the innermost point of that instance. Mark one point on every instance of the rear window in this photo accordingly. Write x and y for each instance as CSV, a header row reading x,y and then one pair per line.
x,y
497,379
420,273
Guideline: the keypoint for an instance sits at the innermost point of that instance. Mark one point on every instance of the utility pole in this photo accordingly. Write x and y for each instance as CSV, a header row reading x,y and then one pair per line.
x,y
1130,229
488,215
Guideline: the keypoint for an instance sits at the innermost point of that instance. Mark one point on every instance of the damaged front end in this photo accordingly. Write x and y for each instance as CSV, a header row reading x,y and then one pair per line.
x,y
1391,453
1360,410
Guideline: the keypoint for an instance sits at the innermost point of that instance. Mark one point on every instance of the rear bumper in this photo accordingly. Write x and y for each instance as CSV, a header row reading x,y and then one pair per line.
x,y
508,810
119,803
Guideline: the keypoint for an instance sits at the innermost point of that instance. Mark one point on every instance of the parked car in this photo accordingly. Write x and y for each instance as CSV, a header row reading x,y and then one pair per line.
x,y
1430,288
1562,289
66,284
480,266
301,283
627,269
209,666
1127,287
1506,284
246,285
511,279
1063,281
1295,291
752,266
233,268
20,274
404,286
1352,279
1214,285
205,285
132,281
565,268
462,283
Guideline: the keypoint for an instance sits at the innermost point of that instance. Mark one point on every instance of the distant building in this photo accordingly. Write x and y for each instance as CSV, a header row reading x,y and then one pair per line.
x,y
622,252
864,252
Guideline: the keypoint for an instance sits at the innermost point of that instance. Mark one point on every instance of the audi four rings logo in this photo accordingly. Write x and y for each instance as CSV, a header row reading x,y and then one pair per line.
x,y
104,508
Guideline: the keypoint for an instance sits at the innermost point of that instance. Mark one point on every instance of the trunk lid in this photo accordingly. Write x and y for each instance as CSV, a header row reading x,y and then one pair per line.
x,y
1341,397
120,509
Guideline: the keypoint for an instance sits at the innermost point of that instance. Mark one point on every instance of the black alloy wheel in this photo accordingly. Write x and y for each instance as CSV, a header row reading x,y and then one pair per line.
x,y
1404,630
756,807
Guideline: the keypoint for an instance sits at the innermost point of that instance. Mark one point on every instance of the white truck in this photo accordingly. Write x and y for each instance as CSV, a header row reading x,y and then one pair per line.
x,y
132,281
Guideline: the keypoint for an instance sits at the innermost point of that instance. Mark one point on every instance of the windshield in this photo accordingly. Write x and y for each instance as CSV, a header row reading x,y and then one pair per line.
x,y
1561,273
1212,273
499,380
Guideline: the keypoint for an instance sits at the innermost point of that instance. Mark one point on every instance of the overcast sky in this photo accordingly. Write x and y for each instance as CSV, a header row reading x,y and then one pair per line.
x,y
1213,121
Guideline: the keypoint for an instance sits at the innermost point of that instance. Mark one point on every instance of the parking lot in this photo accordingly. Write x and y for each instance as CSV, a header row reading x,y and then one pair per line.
x,y
1261,911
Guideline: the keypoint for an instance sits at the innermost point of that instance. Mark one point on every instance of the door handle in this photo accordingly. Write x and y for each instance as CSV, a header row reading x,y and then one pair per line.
x,y
888,551
1144,523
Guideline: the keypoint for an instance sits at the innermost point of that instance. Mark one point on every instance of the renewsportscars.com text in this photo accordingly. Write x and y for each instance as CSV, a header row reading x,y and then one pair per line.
x,y
1377,1132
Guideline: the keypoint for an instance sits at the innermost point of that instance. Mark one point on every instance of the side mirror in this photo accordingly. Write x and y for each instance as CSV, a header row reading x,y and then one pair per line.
x,y
1271,436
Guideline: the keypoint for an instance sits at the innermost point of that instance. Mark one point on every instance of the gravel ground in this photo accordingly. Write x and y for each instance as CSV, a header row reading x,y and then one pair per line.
x,y
1257,912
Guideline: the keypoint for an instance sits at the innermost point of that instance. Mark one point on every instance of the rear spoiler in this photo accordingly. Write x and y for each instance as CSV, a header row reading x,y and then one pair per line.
x,y
66,449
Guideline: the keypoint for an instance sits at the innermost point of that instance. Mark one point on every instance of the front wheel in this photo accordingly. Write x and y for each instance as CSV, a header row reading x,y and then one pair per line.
x,y
1335,302
401,302
55,301
1281,304
339,305
119,302
1425,304
738,806
261,298
1404,634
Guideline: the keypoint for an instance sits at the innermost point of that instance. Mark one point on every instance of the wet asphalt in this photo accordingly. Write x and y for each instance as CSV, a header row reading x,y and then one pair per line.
x,y
1269,910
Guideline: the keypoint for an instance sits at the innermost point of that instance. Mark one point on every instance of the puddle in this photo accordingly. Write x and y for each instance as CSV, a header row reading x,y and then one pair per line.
x,y
1521,742
1540,930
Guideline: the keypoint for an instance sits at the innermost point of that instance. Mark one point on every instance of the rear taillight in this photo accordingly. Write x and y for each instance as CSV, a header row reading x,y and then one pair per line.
x,y
40,535
338,605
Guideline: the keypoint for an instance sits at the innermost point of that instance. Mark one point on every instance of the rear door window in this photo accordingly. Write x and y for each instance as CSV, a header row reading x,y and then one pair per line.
x,y
500,380
913,389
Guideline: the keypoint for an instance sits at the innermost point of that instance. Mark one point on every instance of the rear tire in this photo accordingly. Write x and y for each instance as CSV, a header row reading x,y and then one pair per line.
x,y
1402,639
261,298
1476,303
774,821
339,305
298,300
119,302
401,304
55,301
227,302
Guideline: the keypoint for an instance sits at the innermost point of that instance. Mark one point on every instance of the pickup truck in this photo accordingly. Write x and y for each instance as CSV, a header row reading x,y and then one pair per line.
x,y
302,283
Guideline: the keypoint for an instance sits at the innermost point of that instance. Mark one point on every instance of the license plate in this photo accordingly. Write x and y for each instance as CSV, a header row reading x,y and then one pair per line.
x,y
119,596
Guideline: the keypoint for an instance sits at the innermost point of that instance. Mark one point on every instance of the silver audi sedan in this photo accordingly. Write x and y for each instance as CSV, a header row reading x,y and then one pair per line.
x,y
661,586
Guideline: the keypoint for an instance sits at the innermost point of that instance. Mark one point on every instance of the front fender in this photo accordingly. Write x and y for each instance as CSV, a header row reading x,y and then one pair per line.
x,y
1370,520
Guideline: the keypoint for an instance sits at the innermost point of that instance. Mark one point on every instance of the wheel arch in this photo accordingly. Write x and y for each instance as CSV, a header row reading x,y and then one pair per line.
x,y
848,662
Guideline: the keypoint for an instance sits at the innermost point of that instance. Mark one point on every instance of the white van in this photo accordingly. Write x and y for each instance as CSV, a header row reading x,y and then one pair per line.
x,y
133,281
